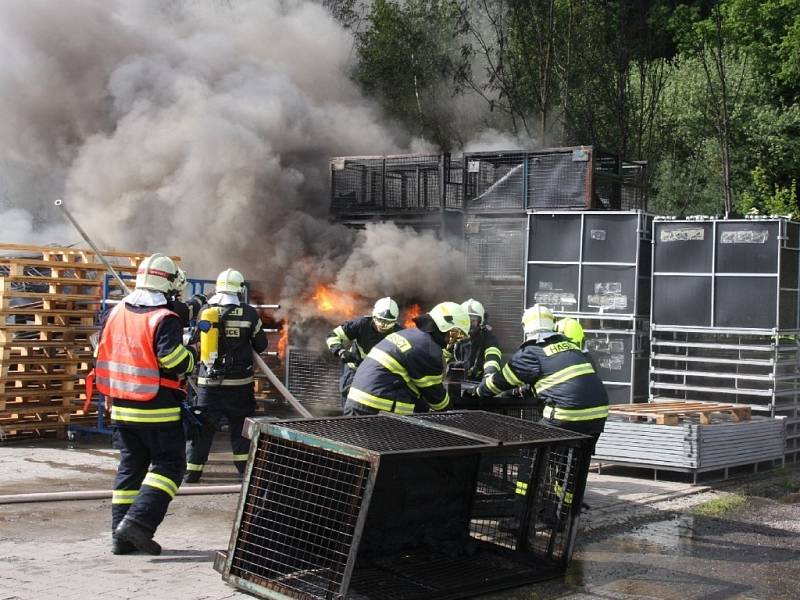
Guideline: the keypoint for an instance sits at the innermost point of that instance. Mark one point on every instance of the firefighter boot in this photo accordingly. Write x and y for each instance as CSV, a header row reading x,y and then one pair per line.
x,y
130,531
119,546
192,476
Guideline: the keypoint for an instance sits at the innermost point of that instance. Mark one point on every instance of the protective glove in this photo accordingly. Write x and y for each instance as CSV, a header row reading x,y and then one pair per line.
x,y
347,356
483,392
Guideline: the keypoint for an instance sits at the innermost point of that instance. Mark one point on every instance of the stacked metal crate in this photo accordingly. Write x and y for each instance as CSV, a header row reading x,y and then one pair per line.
x,y
445,505
726,315
595,266
418,191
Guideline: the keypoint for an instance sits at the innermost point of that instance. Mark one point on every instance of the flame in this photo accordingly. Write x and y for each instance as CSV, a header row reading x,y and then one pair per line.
x,y
335,304
411,313
283,341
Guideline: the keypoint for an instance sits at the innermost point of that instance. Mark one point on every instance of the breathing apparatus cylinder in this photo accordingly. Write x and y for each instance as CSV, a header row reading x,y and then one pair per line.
x,y
209,336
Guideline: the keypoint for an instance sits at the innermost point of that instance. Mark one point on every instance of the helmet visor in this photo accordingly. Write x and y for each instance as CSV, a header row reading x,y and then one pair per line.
x,y
383,325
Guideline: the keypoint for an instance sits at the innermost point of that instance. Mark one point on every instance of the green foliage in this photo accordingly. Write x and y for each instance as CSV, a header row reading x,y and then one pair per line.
x,y
406,57
720,507
707,92
769,199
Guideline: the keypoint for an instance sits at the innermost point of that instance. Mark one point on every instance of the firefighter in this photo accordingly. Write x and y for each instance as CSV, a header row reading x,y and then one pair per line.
x,y
480,352
140,360
230,331
352,341
403,372
560,374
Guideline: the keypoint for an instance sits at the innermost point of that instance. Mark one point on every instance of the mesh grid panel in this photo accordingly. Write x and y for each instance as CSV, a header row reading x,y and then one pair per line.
x,y
495,248
498,427
314,378
560,179
444,516
301,511
381,434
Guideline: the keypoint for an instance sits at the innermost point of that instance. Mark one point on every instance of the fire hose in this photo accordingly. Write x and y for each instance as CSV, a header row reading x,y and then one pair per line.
x,y
257,360
103,494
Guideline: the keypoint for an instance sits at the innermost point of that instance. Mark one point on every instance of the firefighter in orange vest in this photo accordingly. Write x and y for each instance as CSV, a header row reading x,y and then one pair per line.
x,y
139,365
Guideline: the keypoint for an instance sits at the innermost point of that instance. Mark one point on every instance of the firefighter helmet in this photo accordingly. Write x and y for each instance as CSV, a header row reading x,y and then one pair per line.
x,y
475,309
230,281
537,321
384,314
157,272
572,330
449,316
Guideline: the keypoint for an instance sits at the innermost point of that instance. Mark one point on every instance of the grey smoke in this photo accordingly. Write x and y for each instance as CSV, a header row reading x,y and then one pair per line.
x,y
204,129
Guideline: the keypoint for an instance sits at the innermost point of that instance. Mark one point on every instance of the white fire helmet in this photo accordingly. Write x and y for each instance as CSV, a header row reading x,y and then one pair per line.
x,y
475,309
450,315
537,322
157,272
230,281
385,313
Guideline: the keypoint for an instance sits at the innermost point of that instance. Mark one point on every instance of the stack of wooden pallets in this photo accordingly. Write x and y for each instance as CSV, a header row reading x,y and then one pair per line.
x,y
49,302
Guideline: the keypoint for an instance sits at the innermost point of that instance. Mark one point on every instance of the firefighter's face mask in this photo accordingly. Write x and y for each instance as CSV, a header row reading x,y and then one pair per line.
x,y
382,325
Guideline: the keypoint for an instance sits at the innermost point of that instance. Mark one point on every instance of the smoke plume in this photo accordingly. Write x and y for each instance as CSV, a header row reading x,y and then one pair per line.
x,y
204,129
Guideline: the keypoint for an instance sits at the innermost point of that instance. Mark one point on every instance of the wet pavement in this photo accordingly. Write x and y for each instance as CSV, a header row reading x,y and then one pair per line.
x,y
640,540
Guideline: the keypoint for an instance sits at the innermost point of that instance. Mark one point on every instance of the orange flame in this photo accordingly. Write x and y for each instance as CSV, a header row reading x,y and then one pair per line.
x,y
411,313
283,341
335,304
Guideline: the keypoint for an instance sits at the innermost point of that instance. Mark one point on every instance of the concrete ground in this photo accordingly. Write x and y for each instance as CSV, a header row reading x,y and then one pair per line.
x,y
61,549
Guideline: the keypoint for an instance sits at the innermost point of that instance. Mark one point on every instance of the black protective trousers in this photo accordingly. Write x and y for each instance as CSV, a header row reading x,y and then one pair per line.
x,y
156,451
217,404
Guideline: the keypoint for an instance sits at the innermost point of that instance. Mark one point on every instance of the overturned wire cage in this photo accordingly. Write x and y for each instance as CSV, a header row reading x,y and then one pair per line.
x,y
442,505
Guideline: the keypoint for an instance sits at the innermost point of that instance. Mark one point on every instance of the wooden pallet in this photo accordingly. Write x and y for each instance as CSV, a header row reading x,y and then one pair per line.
x,y
671,413
49,299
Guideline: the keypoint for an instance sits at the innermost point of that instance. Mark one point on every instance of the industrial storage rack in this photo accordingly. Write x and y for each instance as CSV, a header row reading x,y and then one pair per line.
x,y
423,192
443,505
595,266
725,315
576,178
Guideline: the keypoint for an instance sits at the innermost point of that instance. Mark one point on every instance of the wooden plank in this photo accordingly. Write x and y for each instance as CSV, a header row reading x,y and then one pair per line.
x,y
68,251
64,266
53,297
55,312
40,280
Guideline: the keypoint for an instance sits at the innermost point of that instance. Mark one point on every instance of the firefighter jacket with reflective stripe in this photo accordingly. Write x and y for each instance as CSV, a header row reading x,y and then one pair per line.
x,y
360,331
140,358
561,375
402,374
480,354
240,333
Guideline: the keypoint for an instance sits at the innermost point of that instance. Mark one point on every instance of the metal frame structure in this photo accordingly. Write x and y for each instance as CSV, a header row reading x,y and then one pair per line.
x,y
582,260
779,273
442,505
750,362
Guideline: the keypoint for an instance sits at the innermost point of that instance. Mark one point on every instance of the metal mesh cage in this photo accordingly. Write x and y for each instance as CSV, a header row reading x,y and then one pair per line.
x,y
495,248
457,504
313,377
495,180
505,306
392,184
560,178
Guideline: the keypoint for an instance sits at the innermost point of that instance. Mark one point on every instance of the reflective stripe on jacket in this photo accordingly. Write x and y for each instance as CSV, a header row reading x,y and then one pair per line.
x,y
564,380
127,366
402,374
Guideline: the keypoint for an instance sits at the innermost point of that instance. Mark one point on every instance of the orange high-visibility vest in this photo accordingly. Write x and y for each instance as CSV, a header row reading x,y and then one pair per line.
x,y
127,365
